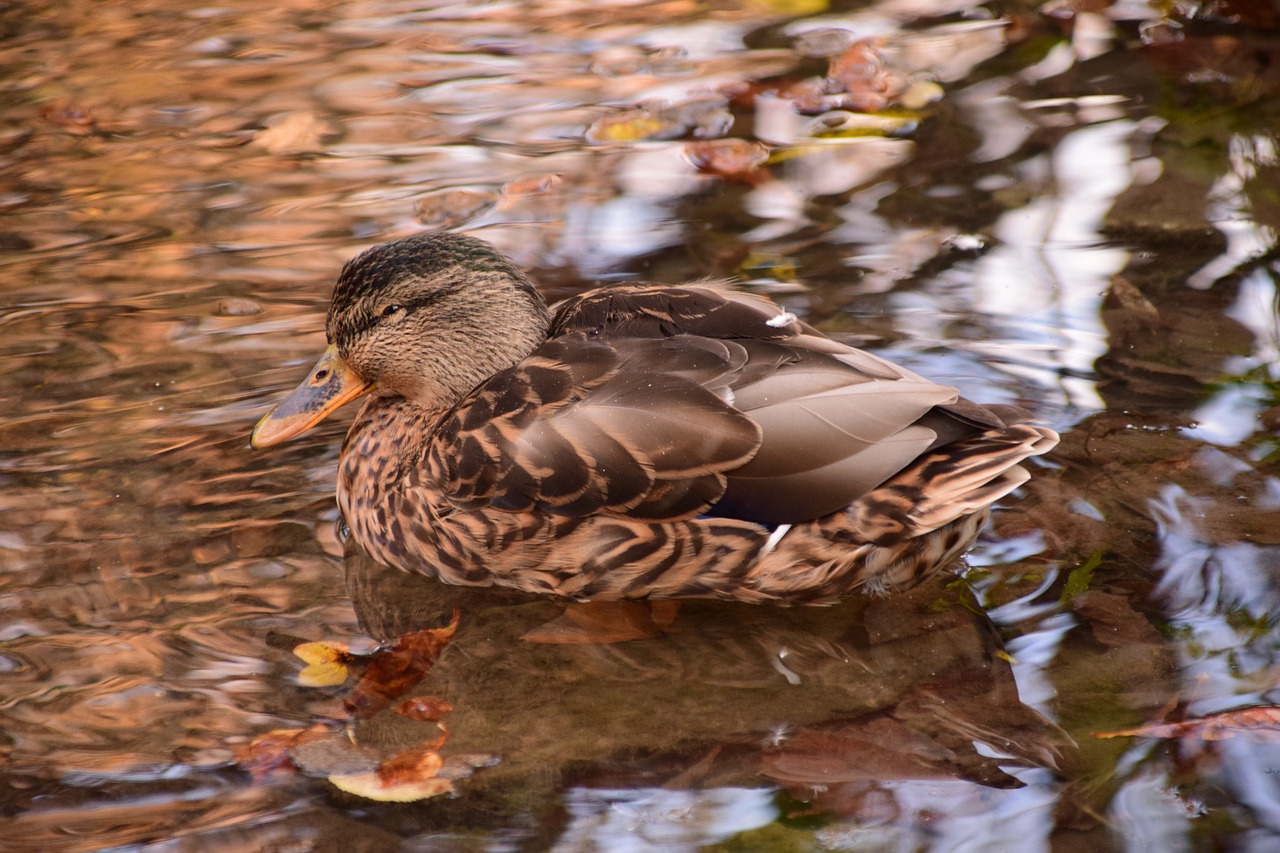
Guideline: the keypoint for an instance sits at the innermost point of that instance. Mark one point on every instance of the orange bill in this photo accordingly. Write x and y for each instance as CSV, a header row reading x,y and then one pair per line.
x,y
329,385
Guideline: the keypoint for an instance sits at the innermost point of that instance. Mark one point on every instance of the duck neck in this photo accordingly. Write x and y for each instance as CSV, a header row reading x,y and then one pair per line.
x,y
376,456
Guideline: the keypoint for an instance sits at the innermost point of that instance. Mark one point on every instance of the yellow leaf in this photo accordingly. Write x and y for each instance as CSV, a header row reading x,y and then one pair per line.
x,y
323,674
322,652
371,786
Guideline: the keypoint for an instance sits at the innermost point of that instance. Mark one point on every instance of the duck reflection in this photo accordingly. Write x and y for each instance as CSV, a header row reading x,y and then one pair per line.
x,y
828,703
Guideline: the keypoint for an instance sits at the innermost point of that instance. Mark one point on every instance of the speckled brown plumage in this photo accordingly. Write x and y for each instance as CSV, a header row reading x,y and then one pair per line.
x,y
638,441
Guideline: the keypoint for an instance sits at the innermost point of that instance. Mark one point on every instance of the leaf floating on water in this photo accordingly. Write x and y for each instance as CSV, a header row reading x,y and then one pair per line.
x,y
393,671
530,186
449,208
411,765
632,126
403,778
705,118
859,79
732,159
424,709
327,664
294,133
71,117
273,752
369,786
1247,722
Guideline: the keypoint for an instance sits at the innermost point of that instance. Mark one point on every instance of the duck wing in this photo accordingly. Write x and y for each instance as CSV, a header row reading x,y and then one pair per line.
x,y
630,428
659,403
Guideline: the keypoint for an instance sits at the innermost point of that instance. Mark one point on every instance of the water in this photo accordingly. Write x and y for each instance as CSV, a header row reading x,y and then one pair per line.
x,y
1080,218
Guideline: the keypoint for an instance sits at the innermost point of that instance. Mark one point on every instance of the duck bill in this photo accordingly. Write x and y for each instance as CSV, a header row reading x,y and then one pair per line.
x,y
329,385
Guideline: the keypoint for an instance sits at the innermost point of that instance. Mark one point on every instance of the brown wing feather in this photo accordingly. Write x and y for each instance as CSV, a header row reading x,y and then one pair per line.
x,y
570,431
657,310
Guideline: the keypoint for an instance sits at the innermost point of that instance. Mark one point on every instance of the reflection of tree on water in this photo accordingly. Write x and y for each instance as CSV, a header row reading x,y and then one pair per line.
x,y
846,708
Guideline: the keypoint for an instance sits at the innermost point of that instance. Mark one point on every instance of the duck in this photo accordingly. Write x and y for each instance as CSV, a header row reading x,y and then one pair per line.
x,y
638,441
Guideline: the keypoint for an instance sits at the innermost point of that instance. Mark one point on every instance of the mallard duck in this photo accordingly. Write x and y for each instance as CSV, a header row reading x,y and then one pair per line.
x,y
637,441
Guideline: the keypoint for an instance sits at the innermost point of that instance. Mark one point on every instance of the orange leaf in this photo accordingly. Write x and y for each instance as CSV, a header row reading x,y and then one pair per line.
x,y
269,753
395,670
404,777
731,159
1256,722
424,709
412,765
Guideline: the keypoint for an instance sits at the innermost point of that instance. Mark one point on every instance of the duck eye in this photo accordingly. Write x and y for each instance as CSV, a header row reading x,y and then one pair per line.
x,y
392,309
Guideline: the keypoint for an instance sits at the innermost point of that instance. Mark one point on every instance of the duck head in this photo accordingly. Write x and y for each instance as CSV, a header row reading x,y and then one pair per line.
x,y
426,318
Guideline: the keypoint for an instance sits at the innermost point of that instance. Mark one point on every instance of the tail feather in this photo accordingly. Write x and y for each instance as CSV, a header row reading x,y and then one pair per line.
x,y
947,484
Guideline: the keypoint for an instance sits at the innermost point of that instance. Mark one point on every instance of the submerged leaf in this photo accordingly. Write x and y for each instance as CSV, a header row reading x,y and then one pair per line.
x,y
404,777
393,671
371,787
732,159
272,752
424,709
1250,722
327,664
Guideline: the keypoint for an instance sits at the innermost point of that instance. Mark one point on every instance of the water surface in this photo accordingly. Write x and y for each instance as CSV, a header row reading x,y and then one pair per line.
x,y
1070,209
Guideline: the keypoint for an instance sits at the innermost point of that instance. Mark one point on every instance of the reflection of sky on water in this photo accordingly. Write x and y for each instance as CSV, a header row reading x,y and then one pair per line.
x,y
954,816
1230,211
1230,415
639,820
1047,273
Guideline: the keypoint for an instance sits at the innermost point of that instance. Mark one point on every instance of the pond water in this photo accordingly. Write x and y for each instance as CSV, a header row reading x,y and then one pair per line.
x,y
1071,207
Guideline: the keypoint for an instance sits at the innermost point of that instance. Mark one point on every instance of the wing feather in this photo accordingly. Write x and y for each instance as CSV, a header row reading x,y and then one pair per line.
x,y
586,426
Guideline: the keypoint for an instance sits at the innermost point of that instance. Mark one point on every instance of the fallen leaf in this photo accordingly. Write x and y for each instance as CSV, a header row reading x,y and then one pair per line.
x,y
860,79
327,664
273,752
71,117
531,185
702,117
294,133
449,208
424,709
732,159
1250,722
632,126
404,777
411,765
369,786
394,670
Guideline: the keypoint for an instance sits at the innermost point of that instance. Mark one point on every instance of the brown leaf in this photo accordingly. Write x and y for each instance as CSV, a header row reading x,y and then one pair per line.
x,y
530,185
449,208
272,752
294,133
732,159
404,777
369,786
394,670
72,118
862,79
411,765
1263,723
337,753
424,709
